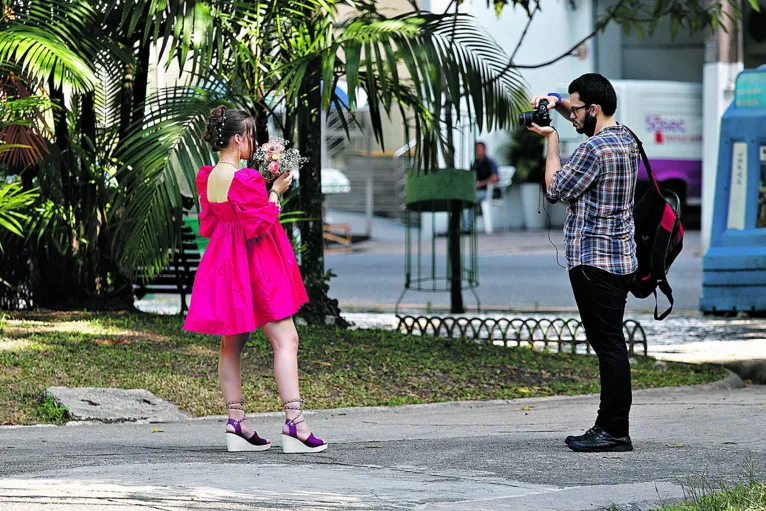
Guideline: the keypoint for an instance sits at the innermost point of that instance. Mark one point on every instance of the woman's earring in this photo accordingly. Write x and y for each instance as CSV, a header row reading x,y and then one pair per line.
x,y
239,155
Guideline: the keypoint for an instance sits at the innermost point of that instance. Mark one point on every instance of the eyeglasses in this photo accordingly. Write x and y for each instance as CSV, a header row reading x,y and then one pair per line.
x,y
574,109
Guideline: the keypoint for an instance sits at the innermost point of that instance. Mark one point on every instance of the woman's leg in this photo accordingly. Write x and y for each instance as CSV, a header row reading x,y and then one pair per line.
x,y
229,378
284,341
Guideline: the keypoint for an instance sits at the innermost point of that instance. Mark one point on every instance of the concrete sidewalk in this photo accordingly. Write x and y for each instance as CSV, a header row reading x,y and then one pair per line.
x,y
481,455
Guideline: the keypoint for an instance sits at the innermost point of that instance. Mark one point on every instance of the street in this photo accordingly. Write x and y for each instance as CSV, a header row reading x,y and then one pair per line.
x,y
516,270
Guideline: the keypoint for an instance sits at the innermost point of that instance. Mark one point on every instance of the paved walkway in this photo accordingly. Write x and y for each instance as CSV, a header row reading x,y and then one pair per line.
x,y
490,455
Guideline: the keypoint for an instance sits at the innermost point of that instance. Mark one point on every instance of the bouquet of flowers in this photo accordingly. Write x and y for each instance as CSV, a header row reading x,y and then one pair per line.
x,y
273,159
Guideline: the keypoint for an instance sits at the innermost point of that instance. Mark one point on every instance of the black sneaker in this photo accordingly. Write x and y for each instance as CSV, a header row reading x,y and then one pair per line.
x,y
601,441
592,431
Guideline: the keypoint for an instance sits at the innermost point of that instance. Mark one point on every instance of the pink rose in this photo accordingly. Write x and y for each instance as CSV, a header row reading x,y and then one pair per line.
x,y
274,167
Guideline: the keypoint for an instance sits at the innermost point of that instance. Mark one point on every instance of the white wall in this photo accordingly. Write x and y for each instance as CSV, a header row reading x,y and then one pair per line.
x,y
660,57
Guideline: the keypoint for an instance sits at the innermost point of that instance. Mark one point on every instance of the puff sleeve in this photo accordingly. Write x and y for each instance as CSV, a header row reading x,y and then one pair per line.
x,y
251,204
207,221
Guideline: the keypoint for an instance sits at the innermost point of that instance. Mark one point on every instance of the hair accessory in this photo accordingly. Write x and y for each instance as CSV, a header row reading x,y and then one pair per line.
x,y
220,129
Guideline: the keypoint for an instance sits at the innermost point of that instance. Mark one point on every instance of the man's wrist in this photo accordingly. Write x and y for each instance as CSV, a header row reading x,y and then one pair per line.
x,y
557,96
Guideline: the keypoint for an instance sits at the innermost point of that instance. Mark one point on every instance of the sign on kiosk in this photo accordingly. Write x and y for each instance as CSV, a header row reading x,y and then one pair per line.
x,y
734,267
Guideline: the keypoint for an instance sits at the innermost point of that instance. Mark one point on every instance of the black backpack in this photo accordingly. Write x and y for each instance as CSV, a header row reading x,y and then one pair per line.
x,y
659,239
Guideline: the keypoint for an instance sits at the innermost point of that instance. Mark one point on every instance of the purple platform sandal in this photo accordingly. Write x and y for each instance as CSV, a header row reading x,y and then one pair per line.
x,y
236,441
290,442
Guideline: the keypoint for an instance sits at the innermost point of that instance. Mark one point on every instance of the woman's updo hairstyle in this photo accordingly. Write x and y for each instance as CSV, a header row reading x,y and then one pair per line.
x,y
224,123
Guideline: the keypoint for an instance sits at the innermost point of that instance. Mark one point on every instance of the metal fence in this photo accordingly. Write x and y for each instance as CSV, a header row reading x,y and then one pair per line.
x,y
559,334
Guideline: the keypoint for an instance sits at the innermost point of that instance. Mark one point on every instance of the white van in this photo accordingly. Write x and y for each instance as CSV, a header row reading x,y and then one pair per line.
x,y
667,117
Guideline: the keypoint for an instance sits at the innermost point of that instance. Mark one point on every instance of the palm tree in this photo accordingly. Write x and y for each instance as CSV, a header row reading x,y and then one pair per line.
x,y
111,163
440,56
289,50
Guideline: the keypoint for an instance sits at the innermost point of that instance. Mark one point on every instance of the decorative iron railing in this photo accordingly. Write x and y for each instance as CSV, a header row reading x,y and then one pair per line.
x,y
559,333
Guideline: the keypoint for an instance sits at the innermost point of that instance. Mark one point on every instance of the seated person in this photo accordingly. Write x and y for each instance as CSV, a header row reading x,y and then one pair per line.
x,y
486,172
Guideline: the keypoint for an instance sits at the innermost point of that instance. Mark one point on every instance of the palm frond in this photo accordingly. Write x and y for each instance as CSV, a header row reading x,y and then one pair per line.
x,y
23,130
468,50
107,104
14,200
44,50
448,56
165,147
202,35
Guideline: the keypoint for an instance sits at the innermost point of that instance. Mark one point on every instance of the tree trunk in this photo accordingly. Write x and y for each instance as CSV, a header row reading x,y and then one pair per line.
x,y
309,140
455,214
61,132
54,274
126,99
76,274
141,82
90,282
261,124
312,234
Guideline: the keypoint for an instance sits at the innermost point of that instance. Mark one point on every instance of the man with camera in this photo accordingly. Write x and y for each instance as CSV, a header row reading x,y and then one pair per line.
x,y
598,183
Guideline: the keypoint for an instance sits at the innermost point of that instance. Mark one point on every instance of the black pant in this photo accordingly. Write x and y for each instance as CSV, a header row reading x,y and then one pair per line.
x,y
601,298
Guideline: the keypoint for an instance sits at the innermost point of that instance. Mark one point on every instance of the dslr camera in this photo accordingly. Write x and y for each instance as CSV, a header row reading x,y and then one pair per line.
x,y
539,116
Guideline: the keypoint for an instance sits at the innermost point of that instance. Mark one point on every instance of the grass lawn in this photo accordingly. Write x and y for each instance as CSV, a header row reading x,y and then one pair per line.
x,y
338,368
750,496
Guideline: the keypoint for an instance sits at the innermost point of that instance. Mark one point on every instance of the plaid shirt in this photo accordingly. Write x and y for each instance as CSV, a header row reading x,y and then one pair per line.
x,y
598,181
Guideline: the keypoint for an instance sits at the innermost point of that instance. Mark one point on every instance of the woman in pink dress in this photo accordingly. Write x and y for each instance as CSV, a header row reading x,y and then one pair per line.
x,y
248,278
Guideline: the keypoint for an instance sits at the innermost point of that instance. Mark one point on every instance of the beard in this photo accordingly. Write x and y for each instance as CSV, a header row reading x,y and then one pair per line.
x,y
588,125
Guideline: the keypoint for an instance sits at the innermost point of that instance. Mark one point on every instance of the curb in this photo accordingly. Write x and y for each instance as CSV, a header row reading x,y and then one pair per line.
x,y
753,370
730,382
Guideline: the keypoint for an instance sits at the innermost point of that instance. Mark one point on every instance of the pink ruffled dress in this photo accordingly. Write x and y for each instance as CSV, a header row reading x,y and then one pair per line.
x,y
248,275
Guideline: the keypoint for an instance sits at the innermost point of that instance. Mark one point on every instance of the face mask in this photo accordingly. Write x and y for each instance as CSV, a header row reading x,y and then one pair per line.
x,y
588,125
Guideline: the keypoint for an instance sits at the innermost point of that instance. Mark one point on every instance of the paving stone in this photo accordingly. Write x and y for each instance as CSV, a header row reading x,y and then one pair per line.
x,y
115,405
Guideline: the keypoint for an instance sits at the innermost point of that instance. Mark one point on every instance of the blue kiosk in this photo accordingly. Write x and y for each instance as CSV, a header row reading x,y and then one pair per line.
x,y
734,267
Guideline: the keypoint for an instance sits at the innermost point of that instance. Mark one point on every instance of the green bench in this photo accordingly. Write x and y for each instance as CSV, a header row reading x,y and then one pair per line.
x,y
178,276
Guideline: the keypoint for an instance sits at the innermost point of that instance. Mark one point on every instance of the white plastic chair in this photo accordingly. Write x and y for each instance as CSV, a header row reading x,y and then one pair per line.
x,y
505,175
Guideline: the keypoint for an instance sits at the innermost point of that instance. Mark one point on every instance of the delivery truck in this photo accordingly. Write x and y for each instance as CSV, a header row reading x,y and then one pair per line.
x,y
667,117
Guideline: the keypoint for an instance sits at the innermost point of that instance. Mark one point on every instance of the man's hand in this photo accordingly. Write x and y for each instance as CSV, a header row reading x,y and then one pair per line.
x,y
545,131
552,101
562,107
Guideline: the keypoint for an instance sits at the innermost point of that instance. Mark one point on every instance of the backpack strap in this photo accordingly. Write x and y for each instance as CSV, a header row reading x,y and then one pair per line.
x,y
659,251
668,292
647,166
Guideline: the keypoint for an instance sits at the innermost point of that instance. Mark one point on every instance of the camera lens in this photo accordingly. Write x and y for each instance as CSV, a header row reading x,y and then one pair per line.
x,y
526,118
541,118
